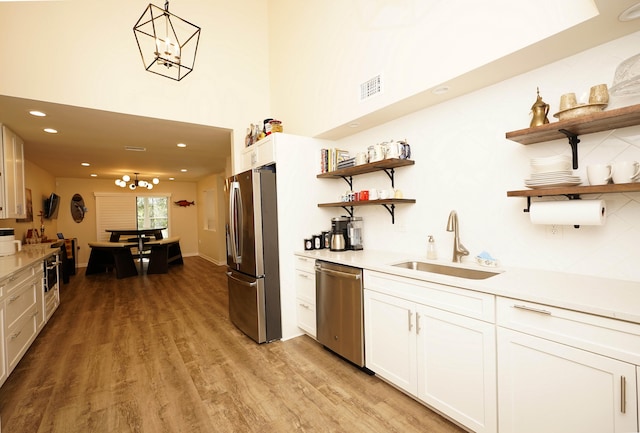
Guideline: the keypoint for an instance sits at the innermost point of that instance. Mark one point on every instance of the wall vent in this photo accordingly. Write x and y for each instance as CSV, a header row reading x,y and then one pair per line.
x,y
371,87
135,148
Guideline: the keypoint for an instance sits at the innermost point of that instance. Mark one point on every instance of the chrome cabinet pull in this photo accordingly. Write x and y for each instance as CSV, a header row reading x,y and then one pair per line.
x,y
623,394
305,306
417,323
14,298
534,310
303,275
16,335
409,320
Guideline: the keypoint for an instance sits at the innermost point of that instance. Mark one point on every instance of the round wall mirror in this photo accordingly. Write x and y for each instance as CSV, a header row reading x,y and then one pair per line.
x,y
77,208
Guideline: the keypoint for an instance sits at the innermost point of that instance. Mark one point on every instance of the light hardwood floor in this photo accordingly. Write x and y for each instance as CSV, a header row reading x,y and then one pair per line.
x,y
157,354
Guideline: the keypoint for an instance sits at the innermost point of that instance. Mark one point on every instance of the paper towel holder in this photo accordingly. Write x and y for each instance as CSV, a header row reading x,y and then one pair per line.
x,y
569,196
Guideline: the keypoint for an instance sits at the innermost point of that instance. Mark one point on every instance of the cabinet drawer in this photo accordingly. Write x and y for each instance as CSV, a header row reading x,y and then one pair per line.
x,y
15,280
603,335
456,300
305,264
20,336
306,286
306,316
19,301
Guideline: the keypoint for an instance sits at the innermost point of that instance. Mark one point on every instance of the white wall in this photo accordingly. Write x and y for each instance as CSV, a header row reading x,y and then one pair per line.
x,y
464,162
84,53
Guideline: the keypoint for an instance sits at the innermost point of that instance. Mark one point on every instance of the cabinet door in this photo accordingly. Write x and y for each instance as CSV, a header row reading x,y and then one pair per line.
x,y
390,340
3,357
549,387
457,367
14,194
306,301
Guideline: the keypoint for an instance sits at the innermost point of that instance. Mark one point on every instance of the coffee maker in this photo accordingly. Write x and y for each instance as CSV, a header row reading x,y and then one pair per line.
x,y
339,234
354,233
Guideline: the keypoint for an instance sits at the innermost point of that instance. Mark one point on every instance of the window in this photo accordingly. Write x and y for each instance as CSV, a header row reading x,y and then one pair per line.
x,y
127,211
153,213
211,210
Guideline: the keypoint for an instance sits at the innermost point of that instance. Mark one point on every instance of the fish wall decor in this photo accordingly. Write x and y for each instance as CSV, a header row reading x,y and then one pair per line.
x,y
184,203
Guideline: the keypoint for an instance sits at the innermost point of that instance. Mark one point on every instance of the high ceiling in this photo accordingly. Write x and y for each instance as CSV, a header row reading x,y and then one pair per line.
x,y
100,138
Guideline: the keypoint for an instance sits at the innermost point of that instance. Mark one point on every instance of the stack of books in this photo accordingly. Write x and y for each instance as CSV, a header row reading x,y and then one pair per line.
x,y
333,159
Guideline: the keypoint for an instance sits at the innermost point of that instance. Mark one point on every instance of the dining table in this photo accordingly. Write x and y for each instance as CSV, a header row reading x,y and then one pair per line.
x,y
140,234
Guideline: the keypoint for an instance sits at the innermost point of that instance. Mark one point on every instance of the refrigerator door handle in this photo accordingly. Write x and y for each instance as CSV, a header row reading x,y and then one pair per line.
x,y
244,283
235,222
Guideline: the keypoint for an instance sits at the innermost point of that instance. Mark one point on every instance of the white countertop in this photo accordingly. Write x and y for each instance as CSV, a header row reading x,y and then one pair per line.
x,y
30,254
619,299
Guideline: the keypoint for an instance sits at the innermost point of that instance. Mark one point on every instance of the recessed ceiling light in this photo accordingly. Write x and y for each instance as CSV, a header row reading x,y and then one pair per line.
x,y
631,13
181,145
85,164
37,113
172,178
354,125
441,90
94,175
50,130
184,170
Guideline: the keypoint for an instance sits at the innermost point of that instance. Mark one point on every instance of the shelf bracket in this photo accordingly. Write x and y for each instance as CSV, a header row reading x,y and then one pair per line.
x,y
391,208
349,180
573,141
391,174
349,210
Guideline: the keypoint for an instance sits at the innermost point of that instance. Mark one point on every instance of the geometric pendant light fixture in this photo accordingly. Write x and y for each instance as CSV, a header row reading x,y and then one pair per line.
x,y
167,43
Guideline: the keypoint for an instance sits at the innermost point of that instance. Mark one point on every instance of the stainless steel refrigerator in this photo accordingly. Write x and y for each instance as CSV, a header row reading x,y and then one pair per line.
x,y
252,254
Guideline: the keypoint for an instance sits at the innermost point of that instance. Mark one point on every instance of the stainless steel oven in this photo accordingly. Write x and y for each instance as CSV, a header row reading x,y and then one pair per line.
x,y
51,264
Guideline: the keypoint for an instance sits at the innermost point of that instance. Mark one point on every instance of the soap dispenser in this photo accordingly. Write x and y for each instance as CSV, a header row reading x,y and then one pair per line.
x,y
432,251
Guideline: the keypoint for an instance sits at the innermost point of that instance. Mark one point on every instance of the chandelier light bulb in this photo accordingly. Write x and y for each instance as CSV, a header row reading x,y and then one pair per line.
x,y
132,186
126,178
156,181
149,186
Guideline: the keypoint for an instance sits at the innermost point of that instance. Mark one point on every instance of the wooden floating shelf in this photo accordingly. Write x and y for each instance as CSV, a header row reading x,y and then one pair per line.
x,y
368,202
588,124
576,190
385,164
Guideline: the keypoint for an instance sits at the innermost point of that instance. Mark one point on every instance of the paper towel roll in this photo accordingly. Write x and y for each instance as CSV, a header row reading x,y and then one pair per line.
x,y
572,212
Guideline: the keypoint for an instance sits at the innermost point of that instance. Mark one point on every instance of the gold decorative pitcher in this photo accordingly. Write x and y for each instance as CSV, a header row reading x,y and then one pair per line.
x,y
540,110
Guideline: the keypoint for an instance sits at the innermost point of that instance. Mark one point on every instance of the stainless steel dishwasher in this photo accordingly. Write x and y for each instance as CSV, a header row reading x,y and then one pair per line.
x,y
339,310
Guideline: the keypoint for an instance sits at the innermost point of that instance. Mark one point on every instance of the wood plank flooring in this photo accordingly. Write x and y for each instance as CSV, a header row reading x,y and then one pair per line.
x,y
157,354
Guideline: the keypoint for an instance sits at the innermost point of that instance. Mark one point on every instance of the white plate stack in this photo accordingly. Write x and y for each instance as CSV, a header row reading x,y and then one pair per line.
x,y
552,171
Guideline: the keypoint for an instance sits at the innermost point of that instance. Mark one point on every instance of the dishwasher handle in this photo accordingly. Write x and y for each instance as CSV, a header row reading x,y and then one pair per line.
x,y
337,273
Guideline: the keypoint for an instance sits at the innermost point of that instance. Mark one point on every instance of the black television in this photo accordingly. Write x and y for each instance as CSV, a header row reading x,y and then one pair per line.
x,y
51,206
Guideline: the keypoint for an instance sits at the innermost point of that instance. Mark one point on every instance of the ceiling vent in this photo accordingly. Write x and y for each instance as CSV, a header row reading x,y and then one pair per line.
x,y
371,88
135,148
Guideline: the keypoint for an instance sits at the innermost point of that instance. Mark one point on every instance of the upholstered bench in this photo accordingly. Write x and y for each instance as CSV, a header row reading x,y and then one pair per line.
x,y
106,255
163,252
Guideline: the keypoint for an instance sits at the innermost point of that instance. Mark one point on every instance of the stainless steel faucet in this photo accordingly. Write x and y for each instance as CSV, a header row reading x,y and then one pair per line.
x,y
458,249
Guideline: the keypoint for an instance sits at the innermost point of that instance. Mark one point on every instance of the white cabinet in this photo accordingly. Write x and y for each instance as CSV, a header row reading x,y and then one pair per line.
x,y
3,358
563,371
22,312
260,153
12,184
435,342
305,281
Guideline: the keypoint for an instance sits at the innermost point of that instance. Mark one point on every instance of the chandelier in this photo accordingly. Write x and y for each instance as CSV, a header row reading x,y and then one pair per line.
x,y
167,43
136,183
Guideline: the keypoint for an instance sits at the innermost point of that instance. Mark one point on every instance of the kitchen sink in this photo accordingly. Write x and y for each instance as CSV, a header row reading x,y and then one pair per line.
x,y
472,274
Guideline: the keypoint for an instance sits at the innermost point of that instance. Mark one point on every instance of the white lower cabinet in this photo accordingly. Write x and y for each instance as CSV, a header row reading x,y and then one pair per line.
x,y
305,281
3,358
445,359
565,385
